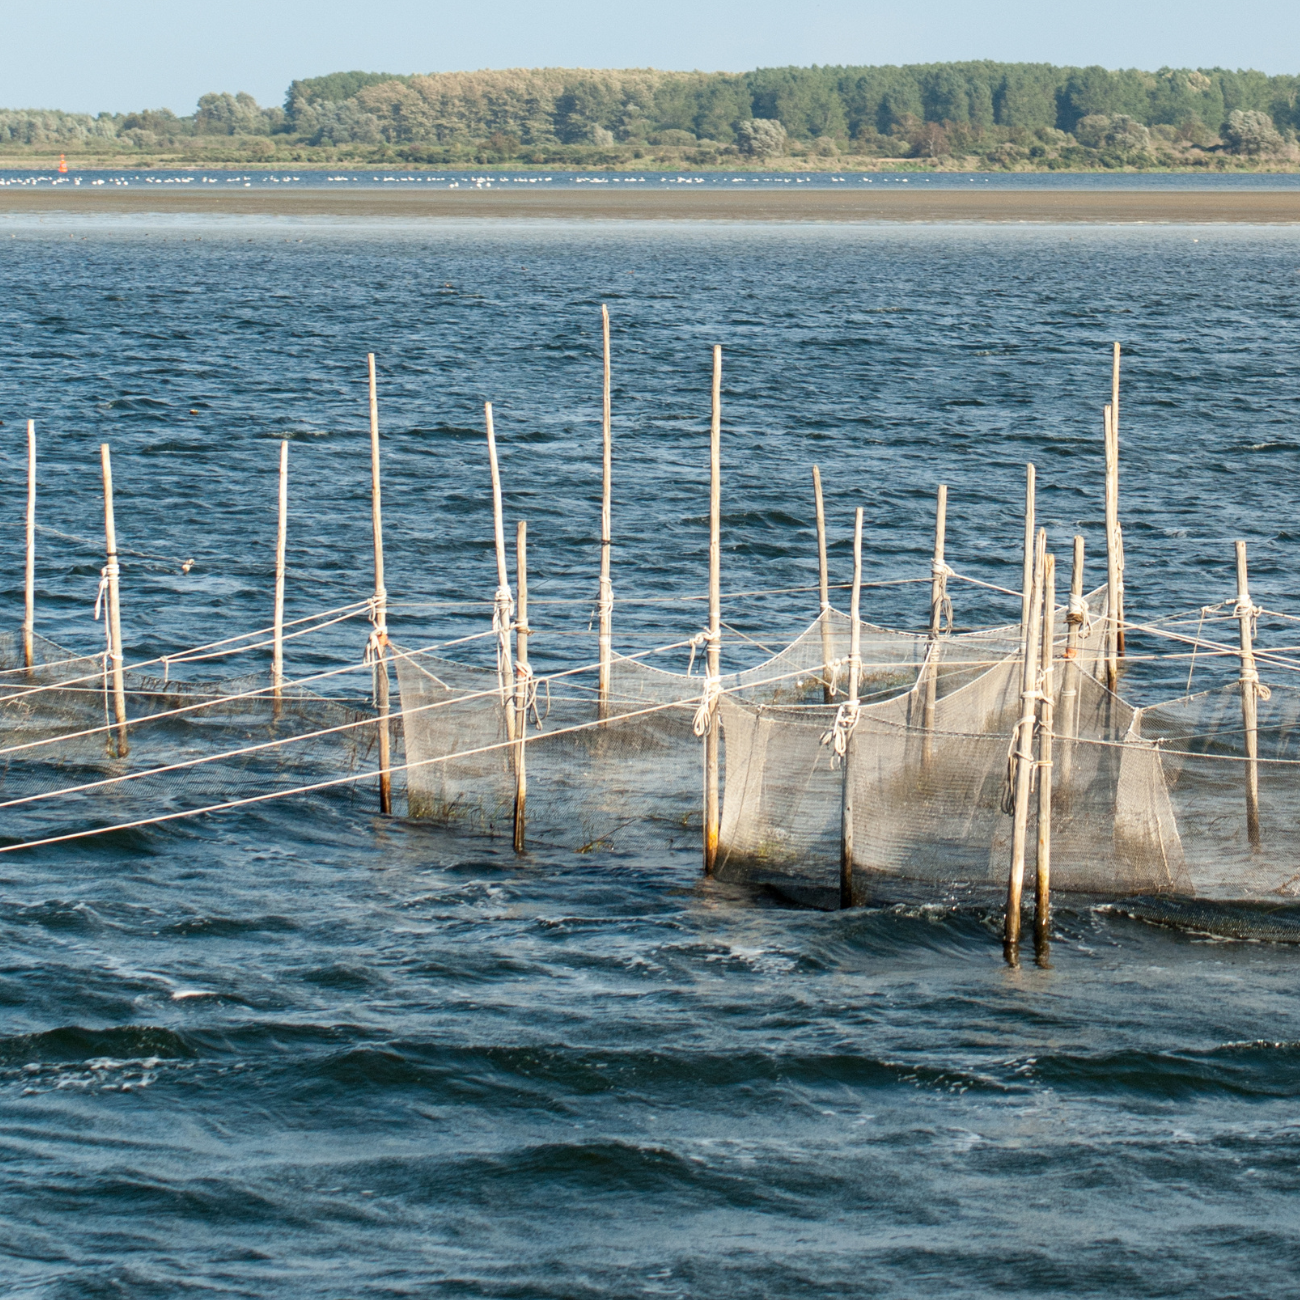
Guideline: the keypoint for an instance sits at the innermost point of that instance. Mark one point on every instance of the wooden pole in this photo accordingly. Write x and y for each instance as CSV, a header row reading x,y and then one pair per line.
x,y
1112,552
114,612
521,681
823,583
277,653
1249,696
712,801
501,610
1024,752
1043,877
938,594
606,588
29,616
1119,533
1070,685
851,708
1027,582
380,616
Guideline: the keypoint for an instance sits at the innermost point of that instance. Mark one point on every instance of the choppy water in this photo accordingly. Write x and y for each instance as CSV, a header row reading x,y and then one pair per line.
x,y
313,1053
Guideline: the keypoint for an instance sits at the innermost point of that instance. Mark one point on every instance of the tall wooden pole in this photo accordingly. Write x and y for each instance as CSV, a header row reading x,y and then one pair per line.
x,y
1069,725
712,799
501,608
1043,878
606,587
380,615
281,531
1024,752
938,595
29,615
1249,696
1112,552
1027,581
851,710
823,583
114,612
521,681
1119,532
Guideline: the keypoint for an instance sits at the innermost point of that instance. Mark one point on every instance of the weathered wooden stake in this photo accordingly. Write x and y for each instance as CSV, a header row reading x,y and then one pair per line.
x,y
1024,751
277,653
712,799
1043,878
606,587
521,681
501,608
29,616
114,611
1069,726
1119,532
1249,696
380,615
1027,582
938,595
851,708
1112,552
823,582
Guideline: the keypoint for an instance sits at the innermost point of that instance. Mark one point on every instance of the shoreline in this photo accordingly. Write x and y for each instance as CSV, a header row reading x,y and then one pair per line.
x,y
1267,207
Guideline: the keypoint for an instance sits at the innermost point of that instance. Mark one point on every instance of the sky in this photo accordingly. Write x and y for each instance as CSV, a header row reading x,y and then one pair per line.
x,y
86,56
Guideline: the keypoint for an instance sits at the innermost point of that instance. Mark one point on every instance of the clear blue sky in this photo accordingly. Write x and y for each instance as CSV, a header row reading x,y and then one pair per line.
x,y
88,56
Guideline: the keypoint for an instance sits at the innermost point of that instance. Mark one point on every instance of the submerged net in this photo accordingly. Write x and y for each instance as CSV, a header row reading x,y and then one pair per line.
x,y
190,744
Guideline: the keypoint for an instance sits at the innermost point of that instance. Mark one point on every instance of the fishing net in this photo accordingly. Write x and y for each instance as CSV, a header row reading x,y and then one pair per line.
x,y
190,744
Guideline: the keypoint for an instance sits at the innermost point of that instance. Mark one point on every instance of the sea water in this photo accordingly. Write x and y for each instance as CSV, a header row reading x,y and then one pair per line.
x,y
304,1050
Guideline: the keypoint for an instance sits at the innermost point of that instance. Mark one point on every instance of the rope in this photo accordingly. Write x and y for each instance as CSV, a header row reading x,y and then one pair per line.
x,y
1079,614
940,571
703,723
846,720
503,609
698,641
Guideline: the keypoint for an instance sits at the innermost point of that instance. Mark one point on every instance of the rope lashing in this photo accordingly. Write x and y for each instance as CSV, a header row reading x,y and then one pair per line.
x,y
605,605
109,571
846,719
938,569
1246,608
708,706
1250,681
697,642
1023,735
503,610
1078,614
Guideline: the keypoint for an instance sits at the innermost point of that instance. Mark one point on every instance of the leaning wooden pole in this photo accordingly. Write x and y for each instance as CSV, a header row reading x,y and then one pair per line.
x,y
712,792
379,615
851,719
938,600
1023,752
1046,717
1031,476
1112,552
29,614
502,605
1249,696
1075,615
522,675
824,590
281,532
114,612
606,525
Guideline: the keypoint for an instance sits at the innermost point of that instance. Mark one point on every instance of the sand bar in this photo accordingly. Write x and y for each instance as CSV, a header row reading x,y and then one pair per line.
x,y
864,203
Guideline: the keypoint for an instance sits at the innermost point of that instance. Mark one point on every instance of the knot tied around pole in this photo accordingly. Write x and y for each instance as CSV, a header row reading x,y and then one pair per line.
x,y
1078,614
846,720
704,715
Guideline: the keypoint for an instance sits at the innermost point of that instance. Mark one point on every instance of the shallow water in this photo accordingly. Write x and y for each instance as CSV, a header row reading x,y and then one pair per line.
x,y
306,1051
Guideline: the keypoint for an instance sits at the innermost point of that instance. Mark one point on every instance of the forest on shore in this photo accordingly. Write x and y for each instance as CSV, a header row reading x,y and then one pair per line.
x,y
950,116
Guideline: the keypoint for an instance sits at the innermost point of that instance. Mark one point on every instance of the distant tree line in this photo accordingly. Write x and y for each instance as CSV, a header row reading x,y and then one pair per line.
x,y
1006,114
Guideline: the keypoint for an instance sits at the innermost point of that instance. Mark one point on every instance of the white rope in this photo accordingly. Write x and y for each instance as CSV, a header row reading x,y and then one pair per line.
x,y
503,610
941,571
704,715
697,642
846,720
1079,614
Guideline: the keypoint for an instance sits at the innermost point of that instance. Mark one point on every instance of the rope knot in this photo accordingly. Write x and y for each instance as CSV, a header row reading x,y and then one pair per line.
x,y
1078,614
704,715
697,642
846,720
106,574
